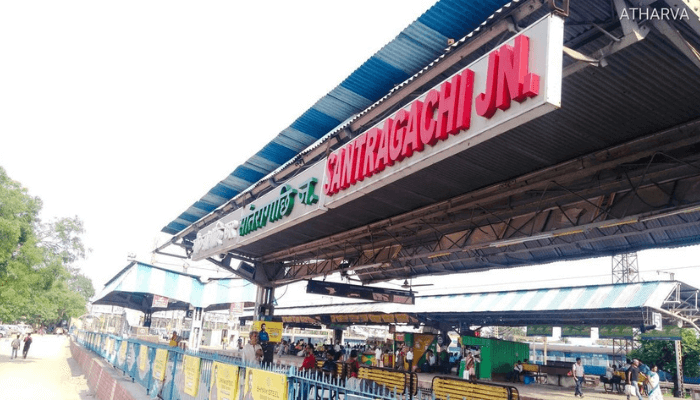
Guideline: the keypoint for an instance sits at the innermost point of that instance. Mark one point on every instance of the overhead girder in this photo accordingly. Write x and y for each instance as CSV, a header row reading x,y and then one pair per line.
x,y
606,193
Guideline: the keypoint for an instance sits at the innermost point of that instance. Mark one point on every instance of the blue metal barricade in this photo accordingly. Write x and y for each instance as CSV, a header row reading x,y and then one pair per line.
x,y
136,358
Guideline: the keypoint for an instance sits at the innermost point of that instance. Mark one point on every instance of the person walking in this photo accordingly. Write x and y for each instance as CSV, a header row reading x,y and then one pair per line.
x,y
27,344
409,359
633,378
577,372
15,348
654,390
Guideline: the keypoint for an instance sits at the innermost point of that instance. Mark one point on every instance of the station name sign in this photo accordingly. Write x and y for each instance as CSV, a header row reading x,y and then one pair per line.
x,y
514,83
290,203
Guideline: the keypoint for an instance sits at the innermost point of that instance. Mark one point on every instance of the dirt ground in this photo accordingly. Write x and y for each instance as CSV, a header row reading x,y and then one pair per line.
x,y
48,372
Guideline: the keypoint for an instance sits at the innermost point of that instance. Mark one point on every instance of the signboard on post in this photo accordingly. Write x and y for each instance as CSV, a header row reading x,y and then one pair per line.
x,y
669,332
657,321
273,329
159,301
615,332
539,330
236,308
575,331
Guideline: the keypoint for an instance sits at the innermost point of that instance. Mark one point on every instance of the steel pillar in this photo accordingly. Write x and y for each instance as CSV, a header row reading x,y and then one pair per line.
x,y
264,307
147,319
679,369
196,329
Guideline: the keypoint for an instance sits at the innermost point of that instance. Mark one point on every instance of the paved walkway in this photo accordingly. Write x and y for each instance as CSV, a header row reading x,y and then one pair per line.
x,y
48,372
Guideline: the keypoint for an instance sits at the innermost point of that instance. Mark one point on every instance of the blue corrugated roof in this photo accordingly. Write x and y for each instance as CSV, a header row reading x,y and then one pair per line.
x,y
417,45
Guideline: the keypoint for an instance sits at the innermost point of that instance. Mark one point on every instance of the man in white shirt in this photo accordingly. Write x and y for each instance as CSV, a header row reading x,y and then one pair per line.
x,y
409,359
577,372
378,356
252,352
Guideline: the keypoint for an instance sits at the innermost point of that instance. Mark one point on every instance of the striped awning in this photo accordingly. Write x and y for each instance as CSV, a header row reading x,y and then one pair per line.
x,y
135,286
598,304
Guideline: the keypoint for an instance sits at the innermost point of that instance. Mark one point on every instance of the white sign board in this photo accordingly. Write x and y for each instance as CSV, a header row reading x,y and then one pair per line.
x,y
513,84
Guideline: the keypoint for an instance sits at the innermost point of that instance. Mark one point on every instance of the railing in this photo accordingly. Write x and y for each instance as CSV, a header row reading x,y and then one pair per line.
x,y
162,372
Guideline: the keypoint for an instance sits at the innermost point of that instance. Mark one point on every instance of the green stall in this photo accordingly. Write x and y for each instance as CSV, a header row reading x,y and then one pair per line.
x,y
497,356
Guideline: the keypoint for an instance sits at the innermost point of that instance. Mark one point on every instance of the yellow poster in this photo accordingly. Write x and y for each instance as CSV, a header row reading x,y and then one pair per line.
x,y
224,382
143,357
421,344
273,329
159,364
122,351
191,365
264,385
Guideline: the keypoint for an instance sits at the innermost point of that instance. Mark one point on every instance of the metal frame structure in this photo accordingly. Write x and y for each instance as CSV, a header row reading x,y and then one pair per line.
x,y
636,194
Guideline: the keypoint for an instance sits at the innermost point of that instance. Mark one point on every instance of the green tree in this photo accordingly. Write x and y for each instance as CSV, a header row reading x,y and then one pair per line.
x,y
662,353
39,281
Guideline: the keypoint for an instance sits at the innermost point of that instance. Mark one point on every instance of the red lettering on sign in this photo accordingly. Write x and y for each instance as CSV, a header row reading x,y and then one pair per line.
x,y
330,166
508,78
442,113
412,141
370,151
335,186
359,144
466,93
383,158
486,102
397,136
447,109
346,159
428,124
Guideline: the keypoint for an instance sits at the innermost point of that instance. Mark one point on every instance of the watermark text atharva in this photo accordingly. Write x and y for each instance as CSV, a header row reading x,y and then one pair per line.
x,y
644,13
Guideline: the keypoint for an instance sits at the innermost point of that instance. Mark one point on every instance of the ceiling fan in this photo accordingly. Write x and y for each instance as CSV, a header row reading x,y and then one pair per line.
x,y
409,285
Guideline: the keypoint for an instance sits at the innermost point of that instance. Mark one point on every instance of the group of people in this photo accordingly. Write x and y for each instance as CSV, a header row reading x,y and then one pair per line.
x,y
17,342
633,378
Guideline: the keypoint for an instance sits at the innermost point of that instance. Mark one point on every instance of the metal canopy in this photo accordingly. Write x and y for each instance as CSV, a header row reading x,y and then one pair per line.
x,y
618,304
135,285
417,45
616,169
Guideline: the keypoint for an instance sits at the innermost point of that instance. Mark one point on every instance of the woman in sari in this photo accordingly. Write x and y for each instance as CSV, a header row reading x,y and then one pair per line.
x,y
654,389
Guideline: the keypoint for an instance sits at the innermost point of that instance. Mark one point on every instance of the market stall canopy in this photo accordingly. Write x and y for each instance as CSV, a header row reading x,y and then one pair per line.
x,y
596,305
136,285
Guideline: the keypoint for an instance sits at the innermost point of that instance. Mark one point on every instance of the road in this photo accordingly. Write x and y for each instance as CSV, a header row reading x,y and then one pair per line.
x,y
48,372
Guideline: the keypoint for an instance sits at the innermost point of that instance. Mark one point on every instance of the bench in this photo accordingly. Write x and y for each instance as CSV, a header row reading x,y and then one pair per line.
x,y
390,378
458,389
339,369
534,371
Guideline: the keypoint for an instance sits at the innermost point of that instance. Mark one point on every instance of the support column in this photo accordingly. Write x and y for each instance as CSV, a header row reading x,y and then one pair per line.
x,y
264,307
196,330
147,319
337,336
679,369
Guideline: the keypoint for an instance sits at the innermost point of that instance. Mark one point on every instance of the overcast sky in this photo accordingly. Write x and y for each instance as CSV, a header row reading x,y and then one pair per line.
x,y
125,113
